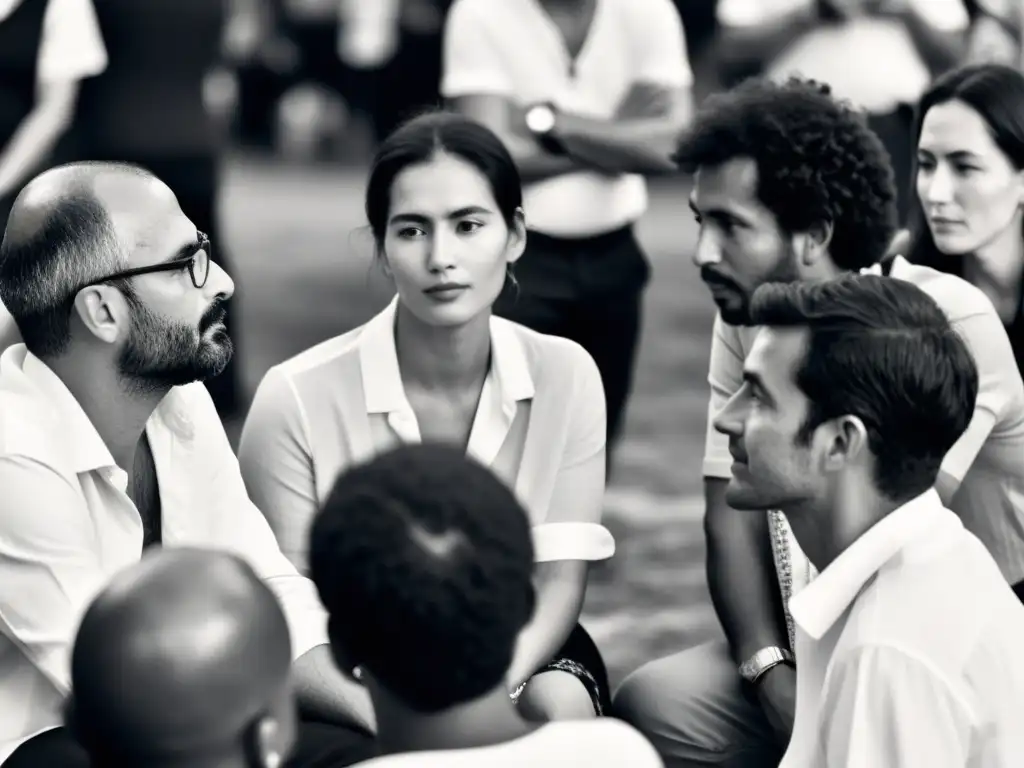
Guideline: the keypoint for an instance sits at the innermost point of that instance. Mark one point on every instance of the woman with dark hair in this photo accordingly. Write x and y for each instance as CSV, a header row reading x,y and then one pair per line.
x,y
968,219
444,202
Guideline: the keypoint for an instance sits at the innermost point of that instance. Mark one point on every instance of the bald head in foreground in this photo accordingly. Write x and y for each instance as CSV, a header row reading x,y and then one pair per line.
x,y
183,660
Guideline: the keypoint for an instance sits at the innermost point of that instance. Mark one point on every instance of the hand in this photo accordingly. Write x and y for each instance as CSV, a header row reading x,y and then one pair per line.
x,y
644,101
776,691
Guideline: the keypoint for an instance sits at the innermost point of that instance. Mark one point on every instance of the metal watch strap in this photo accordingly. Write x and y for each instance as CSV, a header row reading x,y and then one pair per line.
x,y
754,668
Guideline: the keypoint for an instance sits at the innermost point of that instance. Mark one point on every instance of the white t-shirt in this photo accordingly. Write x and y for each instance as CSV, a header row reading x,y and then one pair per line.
x,y
871,61
601,743
512,48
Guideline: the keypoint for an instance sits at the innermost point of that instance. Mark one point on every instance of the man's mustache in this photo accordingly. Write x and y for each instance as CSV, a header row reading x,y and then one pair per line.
x,y
213,315
711,277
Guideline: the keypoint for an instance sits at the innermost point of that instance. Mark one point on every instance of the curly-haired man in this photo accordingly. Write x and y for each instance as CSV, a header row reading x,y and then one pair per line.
x,y
790,185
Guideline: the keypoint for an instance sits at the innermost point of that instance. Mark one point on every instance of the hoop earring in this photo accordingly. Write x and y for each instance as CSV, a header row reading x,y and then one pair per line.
x,y
357,672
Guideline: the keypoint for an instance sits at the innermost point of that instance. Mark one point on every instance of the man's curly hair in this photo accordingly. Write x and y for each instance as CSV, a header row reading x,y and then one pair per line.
x,y
424,561
817,161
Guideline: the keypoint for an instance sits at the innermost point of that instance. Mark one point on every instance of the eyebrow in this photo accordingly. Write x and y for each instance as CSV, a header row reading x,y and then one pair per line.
x,y
184,252
459,213
960,154
717,213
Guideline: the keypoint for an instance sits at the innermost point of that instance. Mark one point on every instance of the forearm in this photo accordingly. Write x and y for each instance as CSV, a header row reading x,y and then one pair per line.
x,y
741,575
642,145
328,695
31,143
536,164
559,602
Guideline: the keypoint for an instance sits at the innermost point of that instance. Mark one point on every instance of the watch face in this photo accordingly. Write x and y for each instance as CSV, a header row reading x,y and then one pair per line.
x,y
540,119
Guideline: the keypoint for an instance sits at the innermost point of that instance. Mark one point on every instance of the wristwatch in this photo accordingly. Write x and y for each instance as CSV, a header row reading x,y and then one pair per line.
x,y
541,120
753,668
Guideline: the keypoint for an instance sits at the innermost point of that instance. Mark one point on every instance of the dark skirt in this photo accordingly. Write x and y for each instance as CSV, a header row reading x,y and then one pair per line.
x,y
581,658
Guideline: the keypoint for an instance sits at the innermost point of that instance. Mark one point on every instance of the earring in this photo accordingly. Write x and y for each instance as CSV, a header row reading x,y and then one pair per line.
x,y
512,278
273,760
357,672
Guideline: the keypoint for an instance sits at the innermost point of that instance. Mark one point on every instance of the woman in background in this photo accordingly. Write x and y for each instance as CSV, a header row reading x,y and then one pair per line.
x,y
444,202
970,186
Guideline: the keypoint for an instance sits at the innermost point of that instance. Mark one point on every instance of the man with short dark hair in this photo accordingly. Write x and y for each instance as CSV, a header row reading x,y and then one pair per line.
x,y
424,561
790,185
908,640
167,674
109,444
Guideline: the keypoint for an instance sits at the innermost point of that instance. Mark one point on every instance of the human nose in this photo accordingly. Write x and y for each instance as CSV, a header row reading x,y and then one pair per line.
x,y
731,419
442,251
708,250
219,283
938,185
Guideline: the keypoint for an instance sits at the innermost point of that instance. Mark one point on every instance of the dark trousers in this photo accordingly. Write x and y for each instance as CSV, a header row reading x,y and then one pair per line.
x,y
589,290
318,746
196,183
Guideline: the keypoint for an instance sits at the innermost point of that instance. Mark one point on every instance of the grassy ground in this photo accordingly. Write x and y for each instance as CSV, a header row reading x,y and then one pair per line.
x,y
304,274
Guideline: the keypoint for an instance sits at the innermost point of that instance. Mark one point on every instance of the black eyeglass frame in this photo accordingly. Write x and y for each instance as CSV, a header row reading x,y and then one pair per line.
x,y
189,262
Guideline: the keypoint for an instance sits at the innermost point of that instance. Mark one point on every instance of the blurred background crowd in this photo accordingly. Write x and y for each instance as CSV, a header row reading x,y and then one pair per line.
x,y
262,116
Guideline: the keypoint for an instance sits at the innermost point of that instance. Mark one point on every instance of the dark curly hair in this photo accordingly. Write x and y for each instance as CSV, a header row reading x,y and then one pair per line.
x,y
424,561
817,162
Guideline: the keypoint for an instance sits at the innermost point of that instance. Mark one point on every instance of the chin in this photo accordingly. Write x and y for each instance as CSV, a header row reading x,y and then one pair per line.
x,y
951,244
449,315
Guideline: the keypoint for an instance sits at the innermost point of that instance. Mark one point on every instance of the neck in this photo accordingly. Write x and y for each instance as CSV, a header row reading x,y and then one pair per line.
x,y
442,358
564,5
820,270
118,414
1000,262
825,528
486,721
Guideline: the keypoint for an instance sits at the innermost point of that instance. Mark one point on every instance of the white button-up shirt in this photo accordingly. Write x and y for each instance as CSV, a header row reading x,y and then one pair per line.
x,y
908,648
539,425
67,525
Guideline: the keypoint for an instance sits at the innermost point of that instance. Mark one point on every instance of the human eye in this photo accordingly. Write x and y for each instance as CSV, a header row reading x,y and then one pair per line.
x,y
468,226
410,233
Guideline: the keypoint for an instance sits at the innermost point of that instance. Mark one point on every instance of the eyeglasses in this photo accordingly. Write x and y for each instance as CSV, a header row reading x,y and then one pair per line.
x,y
197,262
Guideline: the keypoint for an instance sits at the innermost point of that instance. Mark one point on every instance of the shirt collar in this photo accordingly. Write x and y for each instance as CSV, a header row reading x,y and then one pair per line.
x,y
820,604
382,379
85,447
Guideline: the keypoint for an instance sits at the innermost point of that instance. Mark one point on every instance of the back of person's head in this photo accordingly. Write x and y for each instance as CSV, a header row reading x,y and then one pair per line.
x,y
995,93
424,561
59,238
817,162
441,133
183,660
880,350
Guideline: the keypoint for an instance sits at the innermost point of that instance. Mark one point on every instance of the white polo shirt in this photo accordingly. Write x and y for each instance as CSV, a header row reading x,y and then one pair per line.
x,y
871,61
908,648
600,743
988,460
540,427
67,525
512,48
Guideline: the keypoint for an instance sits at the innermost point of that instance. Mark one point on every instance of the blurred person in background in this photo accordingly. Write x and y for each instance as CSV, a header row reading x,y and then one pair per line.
x,y
148,108
589,97
791,185
996,31
47,48
970,187
879,54
433,554
153,687
444,205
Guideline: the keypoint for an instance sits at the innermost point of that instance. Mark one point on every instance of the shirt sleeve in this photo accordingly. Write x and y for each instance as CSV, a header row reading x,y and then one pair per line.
x,y
881,706
725,377
572,529
752,13
943,15
663,58
72,45
49,568
999,384
277,464
238,526
471,62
